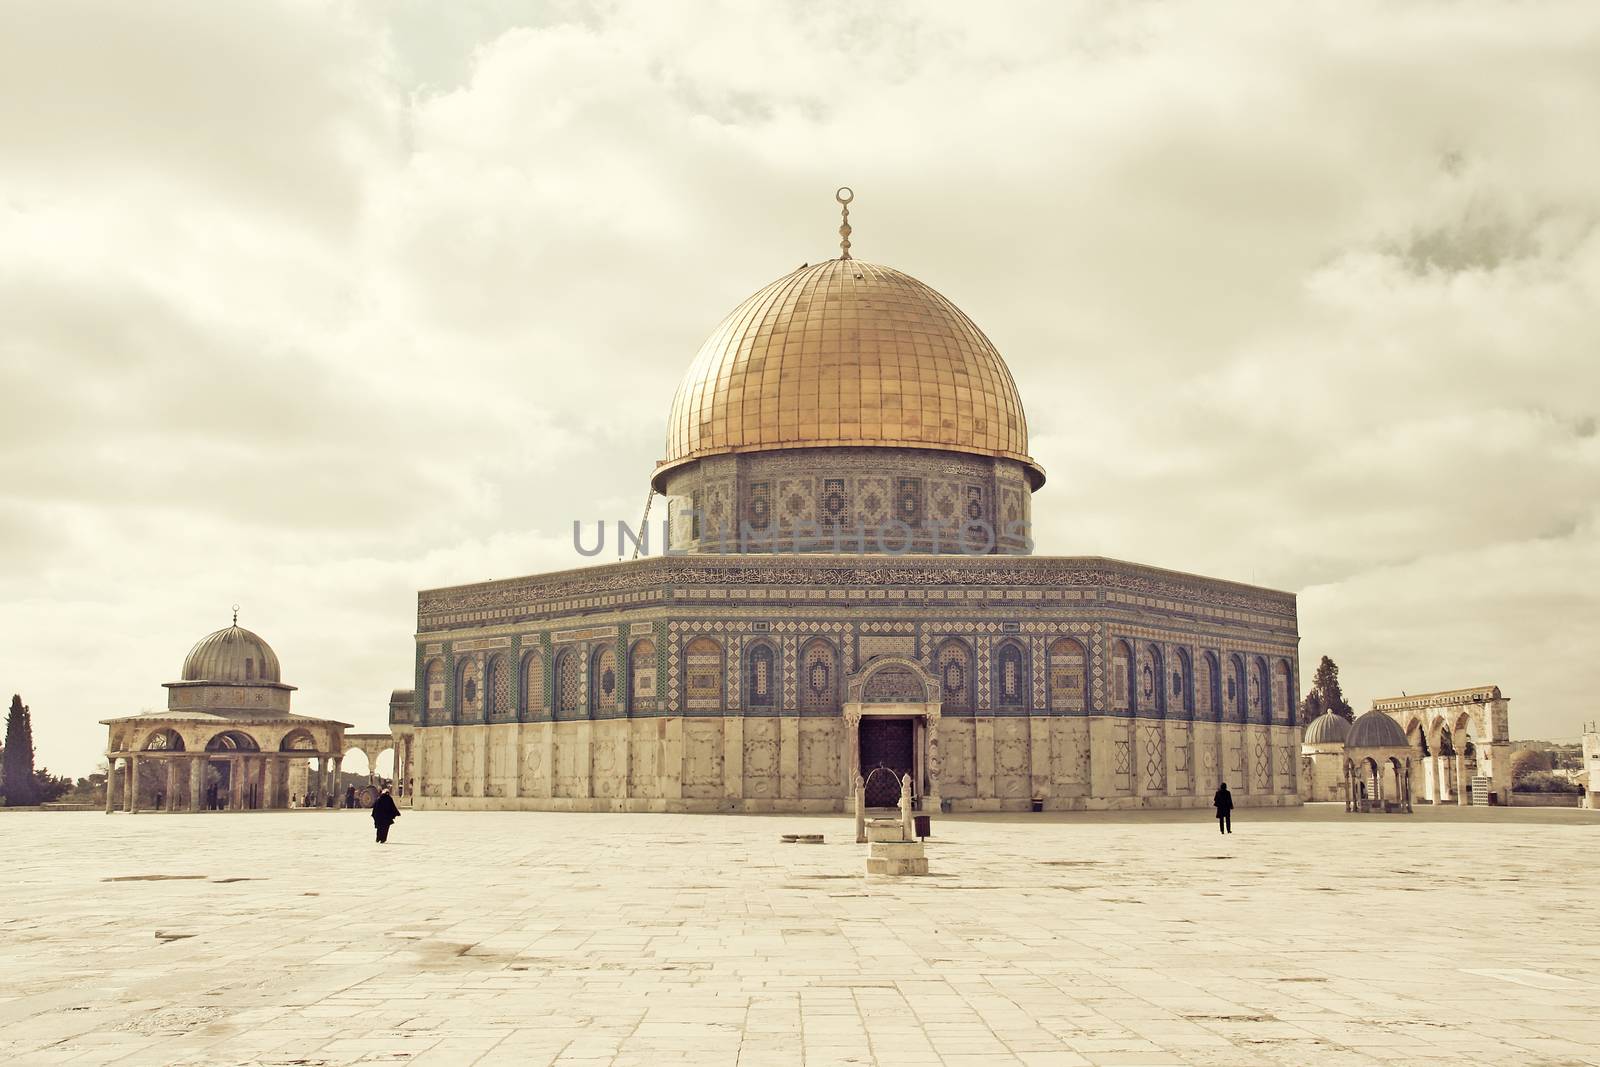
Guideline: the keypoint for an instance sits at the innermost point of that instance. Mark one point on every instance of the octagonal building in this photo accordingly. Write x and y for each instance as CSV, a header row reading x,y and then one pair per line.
x,y
852,586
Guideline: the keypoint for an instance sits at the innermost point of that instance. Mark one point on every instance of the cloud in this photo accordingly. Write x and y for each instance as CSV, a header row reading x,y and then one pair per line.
x,y
309,307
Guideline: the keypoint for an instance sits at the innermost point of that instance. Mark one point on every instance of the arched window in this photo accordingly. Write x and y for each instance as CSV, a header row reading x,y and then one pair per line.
x,y
533,681
819,677
702,680
1069,676
1234,690
1207,700
232,741
761,679
955,675
1010,676
469,690
1121,677
298,741
1282,701
1260,691
433,691
603,679
642,676
497,689
569,684
1151,690
164,740
1181,695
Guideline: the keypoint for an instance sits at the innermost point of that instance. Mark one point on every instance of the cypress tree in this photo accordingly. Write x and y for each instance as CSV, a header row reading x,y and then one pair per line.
x,y
1325,695
16,774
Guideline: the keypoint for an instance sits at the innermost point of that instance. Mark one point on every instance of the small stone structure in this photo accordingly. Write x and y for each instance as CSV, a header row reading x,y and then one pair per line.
x,y
1377,765
892,846
1322,765
227,740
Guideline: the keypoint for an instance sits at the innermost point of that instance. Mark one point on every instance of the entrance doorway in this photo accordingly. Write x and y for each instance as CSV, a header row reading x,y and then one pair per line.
x,y
885,742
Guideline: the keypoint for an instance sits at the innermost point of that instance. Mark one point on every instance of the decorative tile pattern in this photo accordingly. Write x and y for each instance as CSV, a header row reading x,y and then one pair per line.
x,y
893,684
983,644
1121,676
761,672
834,505
501,689
569,683
908,501
1011,681
872,646
819,676
469,689
1068,675
603,679
954,671
702,675
533,680
642,661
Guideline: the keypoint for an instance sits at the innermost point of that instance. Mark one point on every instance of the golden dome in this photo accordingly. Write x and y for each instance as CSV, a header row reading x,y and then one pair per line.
x,y
847,353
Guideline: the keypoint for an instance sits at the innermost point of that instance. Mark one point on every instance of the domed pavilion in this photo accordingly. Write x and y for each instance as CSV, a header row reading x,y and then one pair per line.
x,y
848,484
1377,765
227,740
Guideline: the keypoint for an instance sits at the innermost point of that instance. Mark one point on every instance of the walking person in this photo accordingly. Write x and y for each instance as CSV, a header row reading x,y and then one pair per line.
x,y
1223,801
384,812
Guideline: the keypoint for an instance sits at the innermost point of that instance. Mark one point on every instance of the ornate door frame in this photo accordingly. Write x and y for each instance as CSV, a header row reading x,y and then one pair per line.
x,y
924,714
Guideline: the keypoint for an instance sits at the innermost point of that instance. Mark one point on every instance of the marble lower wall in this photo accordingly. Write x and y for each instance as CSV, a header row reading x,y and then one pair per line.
x,y
735,763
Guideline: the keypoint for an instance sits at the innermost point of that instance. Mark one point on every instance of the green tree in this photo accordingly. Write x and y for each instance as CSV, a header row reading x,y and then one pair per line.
x,y
17,781
1526,761
1325,695
49,787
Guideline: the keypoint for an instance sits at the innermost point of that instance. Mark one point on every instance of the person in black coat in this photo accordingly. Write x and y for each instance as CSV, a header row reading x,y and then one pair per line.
x,y
384,812
1224,805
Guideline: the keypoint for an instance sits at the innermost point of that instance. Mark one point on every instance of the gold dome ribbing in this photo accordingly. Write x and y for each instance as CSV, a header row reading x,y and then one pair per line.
x,y
847,353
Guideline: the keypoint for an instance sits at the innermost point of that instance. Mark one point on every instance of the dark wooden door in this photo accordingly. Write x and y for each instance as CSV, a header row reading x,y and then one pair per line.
x,y
885,743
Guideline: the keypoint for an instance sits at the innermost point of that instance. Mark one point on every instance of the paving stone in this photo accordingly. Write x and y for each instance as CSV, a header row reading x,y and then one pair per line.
x,y
525,938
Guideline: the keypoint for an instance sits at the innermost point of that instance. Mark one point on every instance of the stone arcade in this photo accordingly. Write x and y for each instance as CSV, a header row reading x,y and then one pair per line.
x,y
847,399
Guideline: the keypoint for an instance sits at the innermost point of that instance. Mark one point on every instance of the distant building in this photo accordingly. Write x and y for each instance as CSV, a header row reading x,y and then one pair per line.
x,y
1456,736
1589,777
227,740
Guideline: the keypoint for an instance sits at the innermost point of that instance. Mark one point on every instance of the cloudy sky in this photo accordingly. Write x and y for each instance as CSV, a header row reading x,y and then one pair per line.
x,y
307,306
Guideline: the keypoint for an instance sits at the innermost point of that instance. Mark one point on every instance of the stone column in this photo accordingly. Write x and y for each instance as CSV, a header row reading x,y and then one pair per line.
x,y
413,780
1462,788
197,783
172,783
852,749
934,801
269,781
111,784
133,784
338,784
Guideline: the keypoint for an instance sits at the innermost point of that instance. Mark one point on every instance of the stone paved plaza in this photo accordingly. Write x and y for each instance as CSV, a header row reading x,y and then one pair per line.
x,y
1308,937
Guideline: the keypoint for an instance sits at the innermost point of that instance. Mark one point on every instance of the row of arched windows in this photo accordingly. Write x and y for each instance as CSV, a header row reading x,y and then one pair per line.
x,y
1214,689
502,694
1140,681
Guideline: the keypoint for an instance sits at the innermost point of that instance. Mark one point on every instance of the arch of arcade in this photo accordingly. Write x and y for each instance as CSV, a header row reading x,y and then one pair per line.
x,y
1455,736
